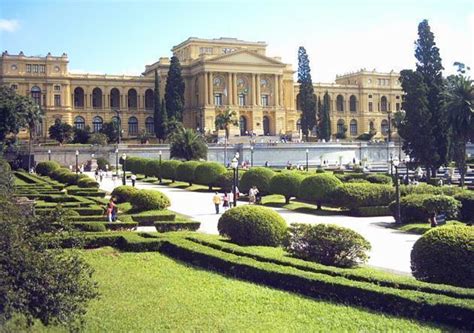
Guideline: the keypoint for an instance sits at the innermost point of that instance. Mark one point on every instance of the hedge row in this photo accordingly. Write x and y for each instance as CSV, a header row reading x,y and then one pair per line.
x,y
141,200
166,226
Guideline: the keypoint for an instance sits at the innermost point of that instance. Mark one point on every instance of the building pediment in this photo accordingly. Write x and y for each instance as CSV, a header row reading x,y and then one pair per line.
x,y
244,57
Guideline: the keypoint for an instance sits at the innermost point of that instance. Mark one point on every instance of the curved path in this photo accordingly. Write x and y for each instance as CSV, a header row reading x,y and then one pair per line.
x,y
390,248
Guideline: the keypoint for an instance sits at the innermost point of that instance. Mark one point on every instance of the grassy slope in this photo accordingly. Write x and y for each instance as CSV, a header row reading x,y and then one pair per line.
x,y
150,292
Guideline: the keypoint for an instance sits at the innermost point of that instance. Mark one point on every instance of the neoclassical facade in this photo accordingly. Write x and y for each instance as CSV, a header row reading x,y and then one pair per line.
x,y
219,74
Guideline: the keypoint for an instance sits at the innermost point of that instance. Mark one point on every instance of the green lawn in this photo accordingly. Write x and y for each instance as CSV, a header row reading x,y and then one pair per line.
x,y
276,200
145,292
421,228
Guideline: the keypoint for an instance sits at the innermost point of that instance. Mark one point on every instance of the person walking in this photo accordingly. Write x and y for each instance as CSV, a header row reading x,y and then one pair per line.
x,y
252,195
110,208
231,199
101,175
96,174
114,209
133,177
225,201
216,199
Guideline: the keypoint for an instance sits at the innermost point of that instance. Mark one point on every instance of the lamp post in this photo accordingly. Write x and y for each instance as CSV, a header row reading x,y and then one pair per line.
x,y
307,153
395,162
49,154
251,156
119,125
124,158
77,161
235,166
116,162
159,171
390,161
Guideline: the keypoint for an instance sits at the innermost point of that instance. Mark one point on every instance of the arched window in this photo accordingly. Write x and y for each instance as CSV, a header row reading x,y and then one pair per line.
x,y
266,125
79,122
340,126
132,126
371,126
353,103
340,103
36,94
243,125
115,98
132,99
353,127
383,104
97,98
78,97
149,102
384,127
149,125
97,123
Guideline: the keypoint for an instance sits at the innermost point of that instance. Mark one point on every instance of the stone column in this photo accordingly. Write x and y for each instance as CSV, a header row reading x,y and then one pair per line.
x,y
205,94
276,90
252,90
211,89
234,89
257,93
280,77
230,87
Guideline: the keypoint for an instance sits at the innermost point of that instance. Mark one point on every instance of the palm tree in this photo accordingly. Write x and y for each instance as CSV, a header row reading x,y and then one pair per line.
x,y
459,98
188,145
225,119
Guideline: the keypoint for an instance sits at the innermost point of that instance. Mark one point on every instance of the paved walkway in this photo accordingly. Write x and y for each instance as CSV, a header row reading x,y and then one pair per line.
x,y
390,248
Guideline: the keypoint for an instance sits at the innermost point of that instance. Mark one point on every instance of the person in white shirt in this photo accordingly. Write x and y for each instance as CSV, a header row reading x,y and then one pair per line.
x,y
134,179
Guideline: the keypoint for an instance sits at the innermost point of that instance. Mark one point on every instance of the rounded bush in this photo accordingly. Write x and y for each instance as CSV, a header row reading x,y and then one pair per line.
x,y
207,173
286,184
442,204
152,168
412,209
318,188
87,183
185,171
327,244
259,177
252,225
350,176
102,162
429,189
123,193
46,168
149,199
168,169
58,174
320,170
445,255
379,179
466,212
354,195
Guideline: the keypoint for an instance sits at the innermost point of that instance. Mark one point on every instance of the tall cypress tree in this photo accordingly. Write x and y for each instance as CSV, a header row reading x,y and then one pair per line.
x,y
306,93
174,92
159,116
324,120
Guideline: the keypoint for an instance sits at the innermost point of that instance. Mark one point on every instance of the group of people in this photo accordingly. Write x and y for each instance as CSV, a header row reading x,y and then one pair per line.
x,y
227,199
111,210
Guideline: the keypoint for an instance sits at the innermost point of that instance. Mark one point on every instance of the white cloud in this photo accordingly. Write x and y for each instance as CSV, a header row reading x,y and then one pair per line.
x,y
9,25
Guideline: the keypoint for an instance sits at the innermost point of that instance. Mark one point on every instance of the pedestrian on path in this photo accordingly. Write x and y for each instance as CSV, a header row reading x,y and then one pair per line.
x,y
231,199
216,199
225,203
133,177
110,209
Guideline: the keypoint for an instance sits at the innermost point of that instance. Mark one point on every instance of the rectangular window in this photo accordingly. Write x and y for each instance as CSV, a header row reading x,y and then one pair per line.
x,y
57,88
218,99
264,100
241,99
397,106
42,68
57,100
28,68
35,68
205,50
14,87
371,107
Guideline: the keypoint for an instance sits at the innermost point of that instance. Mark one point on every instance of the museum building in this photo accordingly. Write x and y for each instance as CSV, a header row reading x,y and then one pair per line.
x,y
219,74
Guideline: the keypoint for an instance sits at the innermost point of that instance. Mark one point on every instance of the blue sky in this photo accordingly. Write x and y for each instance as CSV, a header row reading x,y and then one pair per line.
x,y
121,37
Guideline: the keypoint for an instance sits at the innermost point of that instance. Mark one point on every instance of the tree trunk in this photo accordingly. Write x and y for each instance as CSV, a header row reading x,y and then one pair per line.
x,y
287,200
318,205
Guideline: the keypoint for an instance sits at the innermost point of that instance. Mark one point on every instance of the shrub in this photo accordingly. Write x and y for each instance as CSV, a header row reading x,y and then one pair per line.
x,y
136,165
207,173
350,176
371,211
286,184
89,226
59,173
102,162
442,204
168,169
318,188
185,171
87,183
466,212
226,180
259,177
354,195
411,208
45,168
379,179
445,255
149,199
320,170
327,244
252,225
429,189
152,168
123,193
166,226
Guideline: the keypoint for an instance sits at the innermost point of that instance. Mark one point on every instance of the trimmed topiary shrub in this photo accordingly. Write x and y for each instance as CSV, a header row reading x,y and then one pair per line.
x,y
87,183
123,193
411,208
185,171
168,169
252,225
466,212
58,174
379,178
89,226
445,255
207,173
149,199
327,244
350,176
354,195
286,184
152,168
442,204
429,189
259,177
46,168
318,188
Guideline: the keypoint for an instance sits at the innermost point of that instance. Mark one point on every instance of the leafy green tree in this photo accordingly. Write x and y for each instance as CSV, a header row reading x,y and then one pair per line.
x,y
98,139
160,117
7,181
173,126
307,99
324,120
81,135
174,92
225,119
188,145
61,132
459,98
111,131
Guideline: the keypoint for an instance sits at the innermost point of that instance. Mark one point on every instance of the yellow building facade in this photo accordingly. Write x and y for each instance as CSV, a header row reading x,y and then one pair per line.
x,y
219,74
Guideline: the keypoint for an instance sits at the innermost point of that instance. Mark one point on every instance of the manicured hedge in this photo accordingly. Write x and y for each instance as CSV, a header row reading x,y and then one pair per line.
x,y
354,195
46,168
185,171
149,199
445,255
120,225
379,179
87,183
286,184
166,226
252,225
152,168
466,212
318,188
371,211
415,208
123,193
90,226
156,215
259,177
91,210
207,173
168,169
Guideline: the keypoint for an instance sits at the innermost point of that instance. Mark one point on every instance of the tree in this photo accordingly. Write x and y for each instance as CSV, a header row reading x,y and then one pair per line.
x,y
100,139
81,135
174,92
173,126
188,145
7,182
307,99
459,98
111,131
61,132
160,117
423,99
224,120
324,120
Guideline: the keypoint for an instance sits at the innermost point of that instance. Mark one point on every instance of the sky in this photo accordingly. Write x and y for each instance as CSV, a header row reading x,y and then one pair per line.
x,y
340,36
